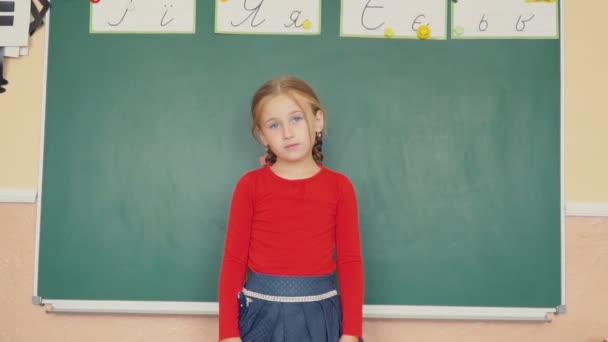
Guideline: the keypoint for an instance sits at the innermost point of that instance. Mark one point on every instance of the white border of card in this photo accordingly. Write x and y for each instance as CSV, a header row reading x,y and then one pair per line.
x,y
268,16
505,19
16,51
18,33
143,16
375,18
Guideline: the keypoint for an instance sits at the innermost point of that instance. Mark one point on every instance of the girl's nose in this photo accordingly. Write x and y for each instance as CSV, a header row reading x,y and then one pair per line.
x,y
287,132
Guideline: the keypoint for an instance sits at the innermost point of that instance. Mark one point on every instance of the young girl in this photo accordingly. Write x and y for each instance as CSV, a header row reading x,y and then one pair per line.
x,y
292,222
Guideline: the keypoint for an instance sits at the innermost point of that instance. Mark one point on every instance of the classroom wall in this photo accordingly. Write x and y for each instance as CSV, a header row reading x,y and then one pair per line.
x,y
20,118
586,243
586,102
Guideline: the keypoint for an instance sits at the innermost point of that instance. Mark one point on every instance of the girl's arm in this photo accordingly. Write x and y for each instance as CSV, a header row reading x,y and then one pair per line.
x,y
234,263
349,261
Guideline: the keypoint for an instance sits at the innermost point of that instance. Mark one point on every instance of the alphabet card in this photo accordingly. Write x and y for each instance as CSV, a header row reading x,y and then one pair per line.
x,y
505,19
424,19
268,16
143,16
14,22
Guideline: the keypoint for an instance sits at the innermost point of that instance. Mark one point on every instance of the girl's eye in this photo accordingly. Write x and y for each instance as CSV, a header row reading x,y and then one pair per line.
x,y
296,119
273,125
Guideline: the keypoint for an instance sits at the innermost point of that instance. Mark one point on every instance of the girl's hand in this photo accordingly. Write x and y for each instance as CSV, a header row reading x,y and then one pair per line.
x,y
232,339
349,338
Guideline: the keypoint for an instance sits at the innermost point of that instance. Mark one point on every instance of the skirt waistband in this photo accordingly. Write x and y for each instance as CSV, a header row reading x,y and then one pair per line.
x,y
289,288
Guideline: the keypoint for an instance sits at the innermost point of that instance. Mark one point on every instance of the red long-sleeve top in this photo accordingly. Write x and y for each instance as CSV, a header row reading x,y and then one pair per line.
x,y
292,227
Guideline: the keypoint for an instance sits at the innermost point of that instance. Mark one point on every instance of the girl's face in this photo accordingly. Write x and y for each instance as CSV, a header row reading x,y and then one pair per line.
x,y
288,129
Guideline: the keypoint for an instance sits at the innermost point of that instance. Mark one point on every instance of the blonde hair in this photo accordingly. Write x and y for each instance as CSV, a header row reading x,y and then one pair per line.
x,y
298,90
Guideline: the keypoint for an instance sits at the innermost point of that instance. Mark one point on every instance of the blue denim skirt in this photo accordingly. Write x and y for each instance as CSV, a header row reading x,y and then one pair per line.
x,y
289,309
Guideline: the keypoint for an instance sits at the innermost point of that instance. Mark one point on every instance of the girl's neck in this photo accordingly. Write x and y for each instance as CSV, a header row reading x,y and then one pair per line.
x,y
295,170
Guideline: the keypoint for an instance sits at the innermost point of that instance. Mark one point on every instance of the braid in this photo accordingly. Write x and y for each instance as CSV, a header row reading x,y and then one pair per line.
x,y
271,158
317,148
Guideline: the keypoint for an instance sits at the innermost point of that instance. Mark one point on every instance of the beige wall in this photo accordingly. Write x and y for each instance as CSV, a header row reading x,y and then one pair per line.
x,y
587,238
20,112
586,102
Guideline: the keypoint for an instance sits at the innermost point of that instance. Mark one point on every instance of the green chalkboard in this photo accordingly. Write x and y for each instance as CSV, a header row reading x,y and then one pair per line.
x,y
453,147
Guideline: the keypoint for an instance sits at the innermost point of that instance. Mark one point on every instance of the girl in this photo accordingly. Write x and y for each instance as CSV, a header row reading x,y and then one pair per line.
x,y
286,220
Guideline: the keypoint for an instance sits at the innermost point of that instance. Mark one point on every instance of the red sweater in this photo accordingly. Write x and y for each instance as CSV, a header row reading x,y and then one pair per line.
x,y
292,227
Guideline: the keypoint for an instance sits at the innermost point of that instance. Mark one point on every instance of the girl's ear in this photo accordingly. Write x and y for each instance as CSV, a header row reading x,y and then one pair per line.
x,y
319,121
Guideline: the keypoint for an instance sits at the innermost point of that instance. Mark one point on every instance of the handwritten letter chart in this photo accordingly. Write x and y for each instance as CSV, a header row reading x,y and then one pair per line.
x,y
393,18
268,16
505,19
14,22
143,16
